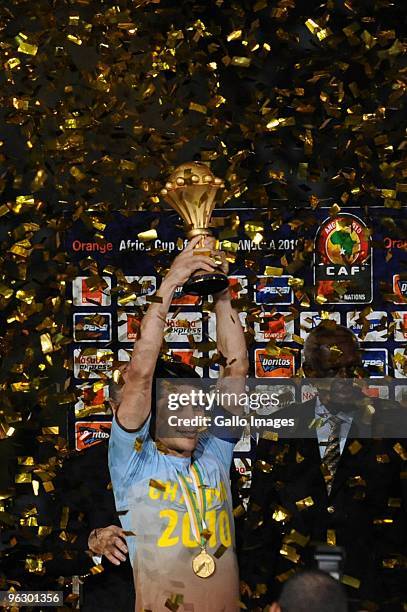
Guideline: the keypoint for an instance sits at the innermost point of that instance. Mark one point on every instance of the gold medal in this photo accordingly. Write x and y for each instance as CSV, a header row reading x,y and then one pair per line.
x,y
203,564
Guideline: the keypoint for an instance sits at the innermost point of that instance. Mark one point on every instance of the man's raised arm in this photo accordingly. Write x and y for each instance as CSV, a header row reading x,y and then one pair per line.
x,y
135,404
231,342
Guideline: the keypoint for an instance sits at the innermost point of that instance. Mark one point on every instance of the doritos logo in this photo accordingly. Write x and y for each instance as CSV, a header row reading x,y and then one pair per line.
x,y
267,366
273,290
92,327
86,293
88,434
400,289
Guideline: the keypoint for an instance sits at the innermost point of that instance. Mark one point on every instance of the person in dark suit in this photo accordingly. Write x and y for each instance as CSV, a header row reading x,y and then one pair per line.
x,y
342,485
92,536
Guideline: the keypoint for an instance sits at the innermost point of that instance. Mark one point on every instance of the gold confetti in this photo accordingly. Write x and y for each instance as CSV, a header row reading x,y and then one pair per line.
x,y
354,447
270,435
138,445
22,478
274,124
75,39
400,450
27,48
263,466
296,537
34,564
280,514
54,430
383,521
156,484
302,504
12,63
350,581
173,603
199,108
272,271
285,576
148,235
235,35
290,553
46,343
242,62
298,457
220,551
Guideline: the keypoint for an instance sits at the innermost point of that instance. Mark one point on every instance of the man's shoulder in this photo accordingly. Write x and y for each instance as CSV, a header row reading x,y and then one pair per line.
x,y
389,419
296,410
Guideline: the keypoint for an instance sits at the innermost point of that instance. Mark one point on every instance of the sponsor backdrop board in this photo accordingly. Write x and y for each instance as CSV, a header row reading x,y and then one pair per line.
x,y
352,270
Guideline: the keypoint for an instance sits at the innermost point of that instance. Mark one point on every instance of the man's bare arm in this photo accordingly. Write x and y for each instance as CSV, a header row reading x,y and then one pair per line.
x,y
230,342
231,345
135,405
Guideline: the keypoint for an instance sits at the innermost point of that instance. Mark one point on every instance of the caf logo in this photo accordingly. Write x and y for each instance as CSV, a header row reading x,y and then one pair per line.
x,y
342,261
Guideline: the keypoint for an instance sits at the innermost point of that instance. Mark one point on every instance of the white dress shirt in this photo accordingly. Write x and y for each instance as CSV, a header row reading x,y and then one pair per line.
x,y
325,429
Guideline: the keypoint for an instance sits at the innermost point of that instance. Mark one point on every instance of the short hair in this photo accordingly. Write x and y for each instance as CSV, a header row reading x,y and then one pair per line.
x,y
312,591
163,369
324,331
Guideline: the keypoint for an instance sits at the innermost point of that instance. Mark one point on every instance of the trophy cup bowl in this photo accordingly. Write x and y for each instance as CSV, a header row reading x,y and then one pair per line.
x,y
190,191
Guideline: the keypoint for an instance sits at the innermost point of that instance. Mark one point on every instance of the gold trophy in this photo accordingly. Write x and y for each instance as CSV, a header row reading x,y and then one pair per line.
x,y
190,191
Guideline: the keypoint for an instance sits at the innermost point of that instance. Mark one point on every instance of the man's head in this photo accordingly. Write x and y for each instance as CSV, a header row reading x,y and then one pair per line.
x,y
180,439
311,591
177,428
332,352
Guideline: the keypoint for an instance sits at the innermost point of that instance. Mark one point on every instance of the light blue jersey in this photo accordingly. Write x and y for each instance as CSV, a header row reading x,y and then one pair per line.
x,y
151,507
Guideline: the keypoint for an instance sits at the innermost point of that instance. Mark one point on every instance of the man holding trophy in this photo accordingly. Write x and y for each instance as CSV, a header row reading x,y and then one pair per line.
x,y
173,491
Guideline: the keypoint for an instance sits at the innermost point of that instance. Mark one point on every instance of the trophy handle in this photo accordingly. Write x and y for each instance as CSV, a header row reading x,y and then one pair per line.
x,y
198,231
201,282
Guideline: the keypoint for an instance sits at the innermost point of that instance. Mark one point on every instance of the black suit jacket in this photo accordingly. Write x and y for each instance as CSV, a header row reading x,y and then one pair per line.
x,y
365,512
83,486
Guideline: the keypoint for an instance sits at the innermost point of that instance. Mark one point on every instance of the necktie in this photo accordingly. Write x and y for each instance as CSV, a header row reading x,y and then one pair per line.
x,y
332,452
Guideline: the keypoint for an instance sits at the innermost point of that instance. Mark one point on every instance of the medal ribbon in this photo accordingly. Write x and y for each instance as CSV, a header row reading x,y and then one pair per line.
x,y
196,504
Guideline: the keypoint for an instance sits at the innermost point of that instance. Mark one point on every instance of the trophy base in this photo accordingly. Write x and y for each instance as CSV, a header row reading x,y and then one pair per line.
x,y
206,284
